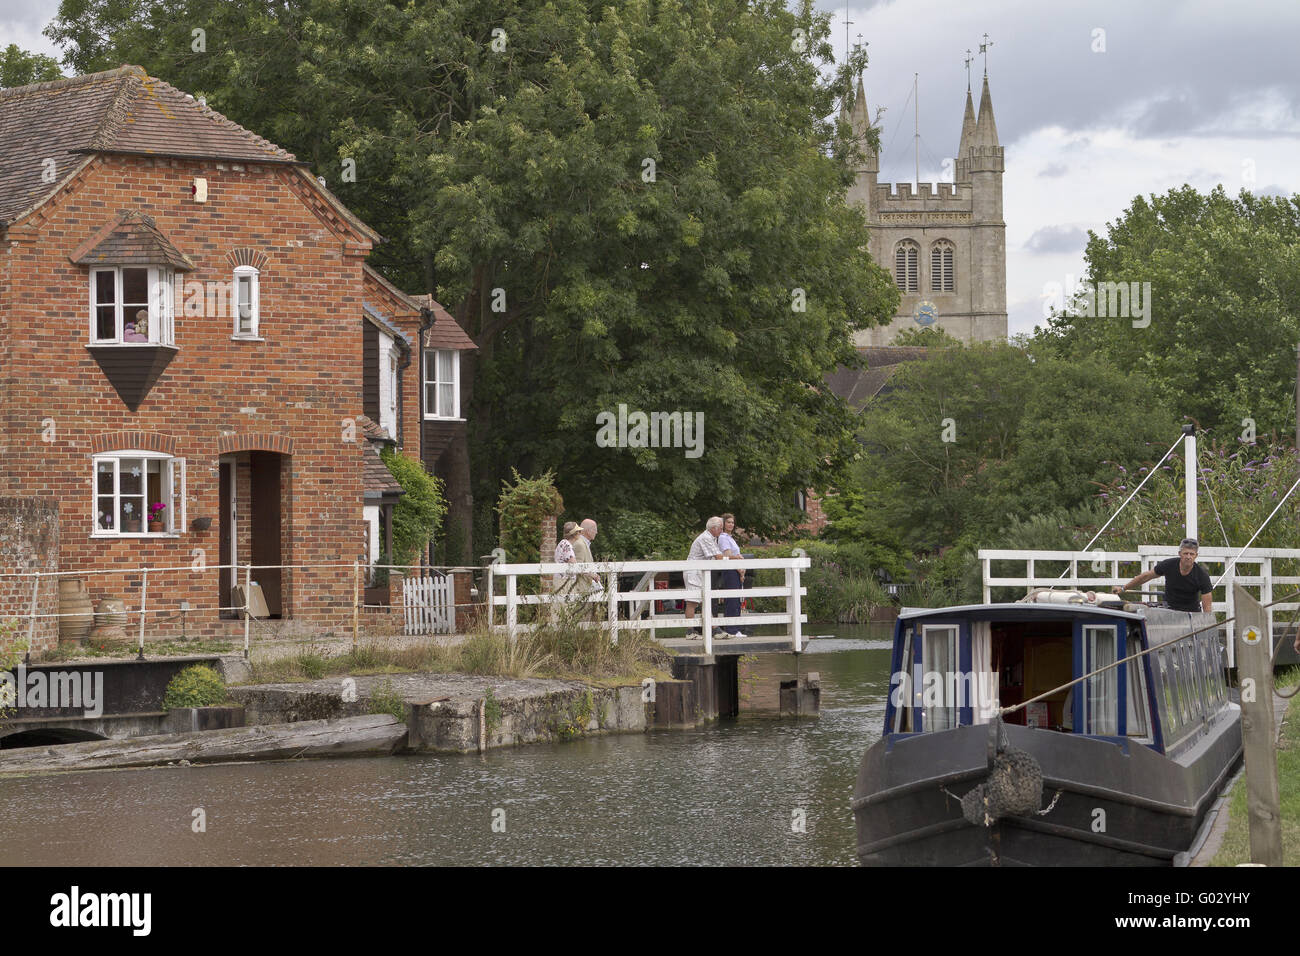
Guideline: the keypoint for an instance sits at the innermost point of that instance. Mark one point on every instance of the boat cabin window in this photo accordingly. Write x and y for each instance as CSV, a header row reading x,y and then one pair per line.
x,y
1031,658
1139,710
1101,700
940,678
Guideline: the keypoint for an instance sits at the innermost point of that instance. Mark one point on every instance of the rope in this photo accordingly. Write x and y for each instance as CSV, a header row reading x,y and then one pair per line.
x,y
1132,657
1229,565
1129,498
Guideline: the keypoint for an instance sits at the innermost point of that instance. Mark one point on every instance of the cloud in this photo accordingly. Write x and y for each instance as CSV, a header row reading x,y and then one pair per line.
x,y
1054,170
1274,190
1057,239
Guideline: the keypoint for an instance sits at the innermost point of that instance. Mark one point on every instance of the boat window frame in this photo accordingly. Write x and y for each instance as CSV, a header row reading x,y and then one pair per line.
x,y
957,628
1167,694
901,660
1139,690
1086,664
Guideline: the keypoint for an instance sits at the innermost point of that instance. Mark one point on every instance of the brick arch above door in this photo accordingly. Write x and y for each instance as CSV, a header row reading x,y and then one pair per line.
x,y
248,441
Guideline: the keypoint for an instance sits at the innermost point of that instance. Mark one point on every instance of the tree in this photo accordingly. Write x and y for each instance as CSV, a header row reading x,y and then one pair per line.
x,y
969,440
634,204
1224,305
18,67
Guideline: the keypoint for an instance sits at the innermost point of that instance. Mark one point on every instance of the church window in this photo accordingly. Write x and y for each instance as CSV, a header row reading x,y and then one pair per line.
x,y
907,256
941,270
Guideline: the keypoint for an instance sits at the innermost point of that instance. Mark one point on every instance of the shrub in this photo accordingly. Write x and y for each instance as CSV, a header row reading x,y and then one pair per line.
x,y
641,535
419,512
385,699
197,686
522,508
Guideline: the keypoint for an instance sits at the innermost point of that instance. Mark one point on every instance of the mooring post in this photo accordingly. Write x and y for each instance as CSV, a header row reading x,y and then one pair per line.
x,y
144,598
1255,669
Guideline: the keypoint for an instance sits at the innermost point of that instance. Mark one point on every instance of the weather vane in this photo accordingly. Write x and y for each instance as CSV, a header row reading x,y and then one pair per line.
x,y
969,60
984,48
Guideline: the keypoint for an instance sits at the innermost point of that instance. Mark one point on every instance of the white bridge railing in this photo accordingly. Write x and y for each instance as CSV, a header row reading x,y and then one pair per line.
x,y
642,596
1100,570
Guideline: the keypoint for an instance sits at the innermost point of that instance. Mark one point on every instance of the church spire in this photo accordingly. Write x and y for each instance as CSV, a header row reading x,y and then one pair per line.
x,y
986,130
859,117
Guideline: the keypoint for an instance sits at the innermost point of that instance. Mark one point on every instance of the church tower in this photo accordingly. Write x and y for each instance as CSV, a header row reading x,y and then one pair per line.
x,y
945,243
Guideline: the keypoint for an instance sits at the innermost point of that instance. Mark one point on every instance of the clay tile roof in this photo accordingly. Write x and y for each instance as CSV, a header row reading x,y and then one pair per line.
x,y
445,333
132,239
117,111
378,481
373,430
378,318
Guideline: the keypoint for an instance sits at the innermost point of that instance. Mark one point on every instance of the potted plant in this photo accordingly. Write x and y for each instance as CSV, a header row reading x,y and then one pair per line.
x,y
156,516
130,523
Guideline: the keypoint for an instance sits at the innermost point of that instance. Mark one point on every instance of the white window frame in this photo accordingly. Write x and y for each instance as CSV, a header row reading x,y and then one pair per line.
x,y
161,305
929,632
430,358
254,278
174,515
1106,725
392,385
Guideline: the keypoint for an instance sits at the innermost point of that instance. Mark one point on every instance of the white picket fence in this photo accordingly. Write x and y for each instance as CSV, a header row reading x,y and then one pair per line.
x,y
429,605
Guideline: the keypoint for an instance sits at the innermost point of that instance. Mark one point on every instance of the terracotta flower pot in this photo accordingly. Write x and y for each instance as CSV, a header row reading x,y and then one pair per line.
x,y
156,526
130,525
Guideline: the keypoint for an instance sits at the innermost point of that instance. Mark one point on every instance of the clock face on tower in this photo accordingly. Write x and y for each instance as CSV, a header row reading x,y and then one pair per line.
x,y
925,313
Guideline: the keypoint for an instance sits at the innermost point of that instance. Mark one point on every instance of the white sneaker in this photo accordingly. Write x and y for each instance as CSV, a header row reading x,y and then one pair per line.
x,y
739,634
721,636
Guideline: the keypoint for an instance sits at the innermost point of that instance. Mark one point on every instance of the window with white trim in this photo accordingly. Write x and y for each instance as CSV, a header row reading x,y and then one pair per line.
x,y
441,383
138,493
247,304
1101,699
940,673
131,305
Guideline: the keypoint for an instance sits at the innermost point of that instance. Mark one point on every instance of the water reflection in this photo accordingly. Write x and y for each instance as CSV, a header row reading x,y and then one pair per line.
x,y
724,794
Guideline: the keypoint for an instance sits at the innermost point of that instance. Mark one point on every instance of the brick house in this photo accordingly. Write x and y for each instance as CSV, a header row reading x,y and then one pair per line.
x,y
179,301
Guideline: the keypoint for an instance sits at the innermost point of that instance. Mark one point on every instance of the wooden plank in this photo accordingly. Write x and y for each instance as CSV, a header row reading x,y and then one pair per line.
x,y
372,733
1255,669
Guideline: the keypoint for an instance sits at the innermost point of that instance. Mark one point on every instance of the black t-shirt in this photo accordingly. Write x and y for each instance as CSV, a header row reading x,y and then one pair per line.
x,y
1183,593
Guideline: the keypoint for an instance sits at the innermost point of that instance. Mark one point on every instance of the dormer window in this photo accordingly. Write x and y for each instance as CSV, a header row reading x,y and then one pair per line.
x,y
131,305
246,302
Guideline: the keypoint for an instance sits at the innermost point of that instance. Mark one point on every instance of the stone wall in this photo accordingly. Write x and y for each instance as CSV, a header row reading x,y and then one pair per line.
x,y
29,541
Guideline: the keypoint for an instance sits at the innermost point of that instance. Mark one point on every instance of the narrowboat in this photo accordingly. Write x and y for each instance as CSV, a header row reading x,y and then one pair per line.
x,y
1120,769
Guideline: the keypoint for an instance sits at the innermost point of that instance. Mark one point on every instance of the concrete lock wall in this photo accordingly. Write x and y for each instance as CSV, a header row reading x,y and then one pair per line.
x,y
29,541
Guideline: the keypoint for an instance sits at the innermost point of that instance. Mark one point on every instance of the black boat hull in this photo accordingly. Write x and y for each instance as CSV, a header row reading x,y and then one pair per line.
x,y
1115,809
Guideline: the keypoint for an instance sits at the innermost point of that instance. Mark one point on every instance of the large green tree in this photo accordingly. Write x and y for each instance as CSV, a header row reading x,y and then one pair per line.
x,y
636,203
1224,279
18,67
969,440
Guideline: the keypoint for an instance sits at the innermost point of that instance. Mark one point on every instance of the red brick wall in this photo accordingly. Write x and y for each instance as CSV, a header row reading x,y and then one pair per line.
x,y
816,520
301,383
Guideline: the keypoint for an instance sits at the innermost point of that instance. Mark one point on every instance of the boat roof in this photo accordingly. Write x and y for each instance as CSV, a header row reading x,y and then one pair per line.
x,y
1018,611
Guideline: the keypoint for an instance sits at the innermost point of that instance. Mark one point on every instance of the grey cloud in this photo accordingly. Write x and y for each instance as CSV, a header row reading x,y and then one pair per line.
x,y
1057,239
1054,170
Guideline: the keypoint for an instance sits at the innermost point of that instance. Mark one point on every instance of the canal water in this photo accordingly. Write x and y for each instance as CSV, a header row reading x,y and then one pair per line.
x,y
750,791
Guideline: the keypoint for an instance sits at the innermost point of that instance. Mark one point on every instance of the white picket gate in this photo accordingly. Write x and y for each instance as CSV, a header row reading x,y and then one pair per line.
x,y
429,605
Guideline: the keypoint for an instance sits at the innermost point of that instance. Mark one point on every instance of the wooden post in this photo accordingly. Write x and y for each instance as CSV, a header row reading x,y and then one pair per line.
x,y
611,592
512,609
31,624
490,587
706,609
144,597
795,606
248,596
356,603
1255,667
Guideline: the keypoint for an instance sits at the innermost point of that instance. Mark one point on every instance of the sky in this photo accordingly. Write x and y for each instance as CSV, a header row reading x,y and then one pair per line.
x,y
1096,101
